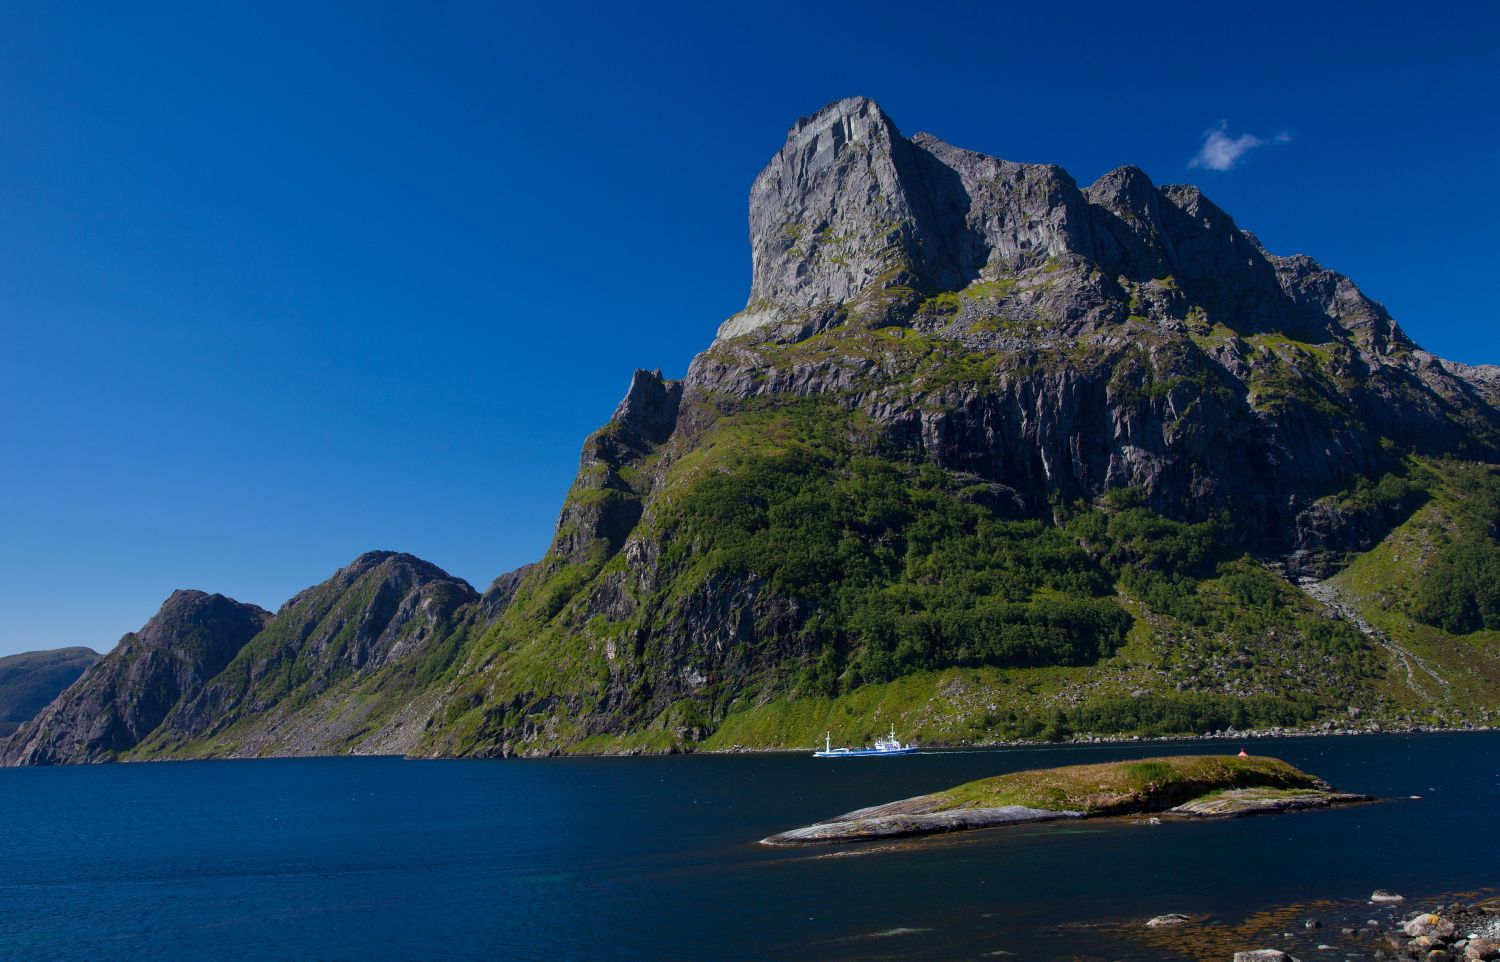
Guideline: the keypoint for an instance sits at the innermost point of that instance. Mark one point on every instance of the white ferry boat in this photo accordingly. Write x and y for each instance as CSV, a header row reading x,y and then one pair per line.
x,y
889,745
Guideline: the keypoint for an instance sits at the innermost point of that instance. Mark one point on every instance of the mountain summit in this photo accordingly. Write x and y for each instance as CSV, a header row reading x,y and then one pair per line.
x,y
986,455
1077,300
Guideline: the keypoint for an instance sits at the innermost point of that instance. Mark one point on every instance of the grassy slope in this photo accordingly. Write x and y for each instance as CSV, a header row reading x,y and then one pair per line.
x,y
288,700
1121,787
1442,677
1446,677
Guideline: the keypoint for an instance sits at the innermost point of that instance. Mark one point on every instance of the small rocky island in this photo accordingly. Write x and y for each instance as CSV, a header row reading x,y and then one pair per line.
x,y
1182,786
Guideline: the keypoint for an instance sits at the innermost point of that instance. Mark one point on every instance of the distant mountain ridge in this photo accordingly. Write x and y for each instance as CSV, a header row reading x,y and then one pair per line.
x,y
986,455
125,694
30,680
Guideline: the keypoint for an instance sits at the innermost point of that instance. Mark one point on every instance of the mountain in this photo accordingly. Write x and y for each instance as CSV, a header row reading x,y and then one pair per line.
x,y
30,680
341,667
991,454
348,665
986,455
125,694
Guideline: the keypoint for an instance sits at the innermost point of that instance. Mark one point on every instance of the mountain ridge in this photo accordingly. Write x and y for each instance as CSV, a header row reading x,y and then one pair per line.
x,y
987,454
124,695
30,680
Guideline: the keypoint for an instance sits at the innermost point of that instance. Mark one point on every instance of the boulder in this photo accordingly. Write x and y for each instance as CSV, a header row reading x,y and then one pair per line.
x,y
1430,924
1163,921
1481,948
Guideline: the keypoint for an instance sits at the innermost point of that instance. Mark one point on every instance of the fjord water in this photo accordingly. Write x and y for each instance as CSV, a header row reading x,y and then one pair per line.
x,y
653,857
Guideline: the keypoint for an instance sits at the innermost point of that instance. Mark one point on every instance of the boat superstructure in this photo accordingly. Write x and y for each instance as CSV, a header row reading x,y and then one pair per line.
x,y
889,745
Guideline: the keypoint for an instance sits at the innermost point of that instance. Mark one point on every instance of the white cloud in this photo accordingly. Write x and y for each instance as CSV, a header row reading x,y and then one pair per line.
x,y
1222,152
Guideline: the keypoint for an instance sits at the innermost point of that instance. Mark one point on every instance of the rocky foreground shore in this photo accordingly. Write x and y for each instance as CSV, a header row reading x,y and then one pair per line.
x,y
1385,927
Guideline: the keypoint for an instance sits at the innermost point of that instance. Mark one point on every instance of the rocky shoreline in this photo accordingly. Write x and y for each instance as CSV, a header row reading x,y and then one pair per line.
x,y
891,821
1169,788
1230,735
1385,927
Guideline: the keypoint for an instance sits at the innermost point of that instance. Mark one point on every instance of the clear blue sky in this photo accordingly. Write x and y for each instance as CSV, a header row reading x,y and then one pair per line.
x,y
280,283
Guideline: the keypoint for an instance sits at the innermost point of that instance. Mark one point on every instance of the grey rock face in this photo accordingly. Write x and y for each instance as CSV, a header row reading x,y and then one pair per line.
x,y
1237,803
604,503
1270,381
831,214
123,696
649,409
1430,924
850,207
30,680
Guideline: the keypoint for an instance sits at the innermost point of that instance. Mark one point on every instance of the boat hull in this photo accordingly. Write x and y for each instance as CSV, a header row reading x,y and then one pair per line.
x,y
865,752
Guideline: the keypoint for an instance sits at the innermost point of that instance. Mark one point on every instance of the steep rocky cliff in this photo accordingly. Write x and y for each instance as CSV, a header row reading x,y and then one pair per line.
x,y
124,695
964,399
30,680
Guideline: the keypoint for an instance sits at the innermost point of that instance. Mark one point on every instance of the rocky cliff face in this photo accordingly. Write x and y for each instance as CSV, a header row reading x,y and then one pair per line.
x,y
1042,344
123,696
1132,334
30,680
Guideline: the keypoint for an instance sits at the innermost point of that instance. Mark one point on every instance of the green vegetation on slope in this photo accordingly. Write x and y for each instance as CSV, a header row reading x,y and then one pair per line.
x,y
314,679
1436,675
890,568
786,567
904,574
1459,589
913,602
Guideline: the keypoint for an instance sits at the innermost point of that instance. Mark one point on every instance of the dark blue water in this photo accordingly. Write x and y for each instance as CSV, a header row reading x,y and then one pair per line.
x,y
652,858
